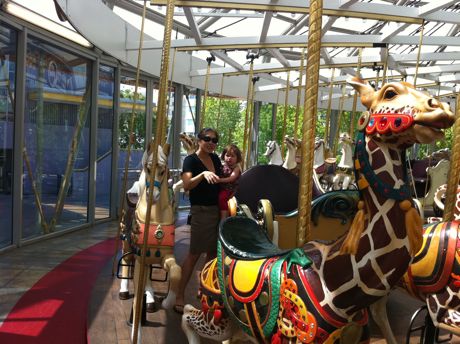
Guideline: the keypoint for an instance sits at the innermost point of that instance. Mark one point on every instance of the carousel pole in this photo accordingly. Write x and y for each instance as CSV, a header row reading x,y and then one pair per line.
x,y
309,122
420,43
251,120
130,141
220,103
161,114
299,95
274,114
163,136
286,98
339,122
454,171
209,60
251,57
329,106
385,66
355,97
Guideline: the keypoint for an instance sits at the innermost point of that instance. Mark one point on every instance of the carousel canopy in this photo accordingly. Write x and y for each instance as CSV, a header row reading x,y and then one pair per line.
x,y
373,38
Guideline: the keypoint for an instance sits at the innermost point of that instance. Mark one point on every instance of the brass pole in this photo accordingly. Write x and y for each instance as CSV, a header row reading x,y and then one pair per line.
x,y
385,66
286,105
161,114
274,117
206,85
329,105
246,118
251,119
454,171
309,121
169,92
355,97
220,102
299,94
420,42
130,141
339,121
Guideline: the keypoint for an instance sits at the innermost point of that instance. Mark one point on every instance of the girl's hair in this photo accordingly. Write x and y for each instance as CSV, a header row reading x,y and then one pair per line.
x,y
232,148
203,132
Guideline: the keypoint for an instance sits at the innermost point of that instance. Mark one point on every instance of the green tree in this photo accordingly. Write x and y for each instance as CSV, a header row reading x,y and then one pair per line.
x,y
127,96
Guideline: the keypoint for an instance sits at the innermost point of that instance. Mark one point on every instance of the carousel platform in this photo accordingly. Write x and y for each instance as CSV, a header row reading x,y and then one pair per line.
x,y
30,311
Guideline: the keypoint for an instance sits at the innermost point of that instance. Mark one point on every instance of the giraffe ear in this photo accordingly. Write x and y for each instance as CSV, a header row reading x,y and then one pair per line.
x,y
364,89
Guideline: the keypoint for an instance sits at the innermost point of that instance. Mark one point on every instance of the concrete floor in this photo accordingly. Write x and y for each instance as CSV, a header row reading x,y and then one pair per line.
x,y
22,267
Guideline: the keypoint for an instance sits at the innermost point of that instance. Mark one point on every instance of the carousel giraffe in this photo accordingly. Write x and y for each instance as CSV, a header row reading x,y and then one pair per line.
x,y
319,293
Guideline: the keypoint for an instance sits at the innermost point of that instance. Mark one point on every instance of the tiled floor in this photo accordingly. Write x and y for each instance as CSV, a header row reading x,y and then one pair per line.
x,y
21,268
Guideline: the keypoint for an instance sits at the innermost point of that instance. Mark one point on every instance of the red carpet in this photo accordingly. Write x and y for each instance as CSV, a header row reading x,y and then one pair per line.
x,y
55,309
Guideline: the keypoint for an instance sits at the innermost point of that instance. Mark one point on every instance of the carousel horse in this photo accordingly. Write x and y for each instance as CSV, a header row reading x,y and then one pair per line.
x,y
438,204
437,176
189,143
421,177
434,276
344,178
319,165
290,162
273,153
320,292
160,243
132,197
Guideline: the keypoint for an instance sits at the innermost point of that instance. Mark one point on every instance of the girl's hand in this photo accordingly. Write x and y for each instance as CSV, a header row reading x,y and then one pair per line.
x,y
211,177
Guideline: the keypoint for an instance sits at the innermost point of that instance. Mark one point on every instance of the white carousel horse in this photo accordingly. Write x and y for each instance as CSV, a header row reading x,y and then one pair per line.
x,y
190,144
438,204
132,196
437,176
319,163
160,243
161,233
344,173
320,292
273,153
290,162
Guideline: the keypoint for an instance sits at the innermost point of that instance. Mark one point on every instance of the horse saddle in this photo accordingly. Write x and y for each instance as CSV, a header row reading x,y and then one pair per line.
x,y
321,169
250,272
243,238
433,264
159,235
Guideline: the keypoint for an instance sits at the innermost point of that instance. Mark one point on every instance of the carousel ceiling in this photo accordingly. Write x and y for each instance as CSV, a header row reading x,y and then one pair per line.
x,y
374,38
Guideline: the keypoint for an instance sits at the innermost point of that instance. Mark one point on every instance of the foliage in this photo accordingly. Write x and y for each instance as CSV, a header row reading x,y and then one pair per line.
x,y
227,117
127,95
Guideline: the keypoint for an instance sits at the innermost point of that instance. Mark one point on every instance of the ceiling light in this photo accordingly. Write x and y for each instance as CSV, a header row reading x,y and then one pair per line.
x,y
45,23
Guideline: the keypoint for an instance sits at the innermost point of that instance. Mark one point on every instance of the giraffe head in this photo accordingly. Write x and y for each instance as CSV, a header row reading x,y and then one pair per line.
x,y
399,114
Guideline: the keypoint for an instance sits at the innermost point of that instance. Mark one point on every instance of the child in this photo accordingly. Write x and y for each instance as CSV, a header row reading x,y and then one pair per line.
x,y
231,172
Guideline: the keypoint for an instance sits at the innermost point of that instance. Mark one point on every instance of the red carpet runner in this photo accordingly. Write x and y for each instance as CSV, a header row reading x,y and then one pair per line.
x,y
55,309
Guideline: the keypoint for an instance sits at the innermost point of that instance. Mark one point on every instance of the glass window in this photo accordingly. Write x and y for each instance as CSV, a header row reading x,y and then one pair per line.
x,y
104,141
56,138
7,88
127,87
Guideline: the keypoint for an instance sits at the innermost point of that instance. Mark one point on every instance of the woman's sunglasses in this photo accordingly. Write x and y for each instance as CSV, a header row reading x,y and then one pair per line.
x,y
208,139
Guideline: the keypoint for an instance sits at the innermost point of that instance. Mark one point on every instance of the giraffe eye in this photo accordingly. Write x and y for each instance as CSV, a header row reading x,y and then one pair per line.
x,y
389,94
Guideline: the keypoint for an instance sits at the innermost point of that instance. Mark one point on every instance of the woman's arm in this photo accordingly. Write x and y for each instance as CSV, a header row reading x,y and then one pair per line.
x,y
191,182
231,178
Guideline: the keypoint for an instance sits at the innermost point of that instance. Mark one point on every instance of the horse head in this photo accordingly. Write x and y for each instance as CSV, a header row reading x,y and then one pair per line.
x,y
147,185
189,142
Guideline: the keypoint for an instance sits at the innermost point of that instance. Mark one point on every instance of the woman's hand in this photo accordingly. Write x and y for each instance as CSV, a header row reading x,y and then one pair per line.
x,y
211,177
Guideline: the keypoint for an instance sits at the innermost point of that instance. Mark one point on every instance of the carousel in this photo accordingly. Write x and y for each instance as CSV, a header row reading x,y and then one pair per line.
x,y
349,195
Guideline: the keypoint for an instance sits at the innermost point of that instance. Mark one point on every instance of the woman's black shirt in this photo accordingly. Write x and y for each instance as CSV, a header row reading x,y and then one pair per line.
x,y
204,193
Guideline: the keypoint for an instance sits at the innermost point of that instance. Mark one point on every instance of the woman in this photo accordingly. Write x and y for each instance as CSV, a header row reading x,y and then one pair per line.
x,y
200,174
